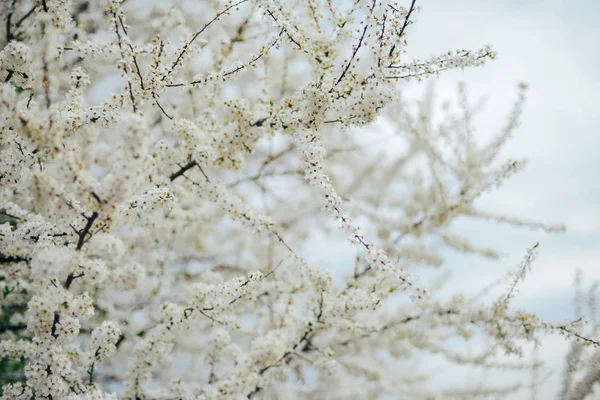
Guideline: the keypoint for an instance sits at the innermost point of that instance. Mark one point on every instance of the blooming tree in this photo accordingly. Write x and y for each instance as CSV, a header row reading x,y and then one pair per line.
x,y
166,168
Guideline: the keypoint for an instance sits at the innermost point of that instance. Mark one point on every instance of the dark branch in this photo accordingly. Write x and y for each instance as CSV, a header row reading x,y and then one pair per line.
x,y
137,67
159,106
120,42
183,170
406,22
54,323
353,55
12,259
91,370
24,17
8,24
355,52
71,277
86,230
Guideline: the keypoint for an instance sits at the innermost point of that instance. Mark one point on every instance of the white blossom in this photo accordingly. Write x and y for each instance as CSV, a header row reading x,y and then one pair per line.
x,y
166,171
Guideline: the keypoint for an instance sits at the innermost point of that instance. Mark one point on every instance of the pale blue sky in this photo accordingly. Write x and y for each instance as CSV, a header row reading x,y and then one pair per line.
x,y
554,46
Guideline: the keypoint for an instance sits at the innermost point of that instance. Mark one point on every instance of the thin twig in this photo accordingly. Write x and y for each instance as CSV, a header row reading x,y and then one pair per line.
x,y
188,44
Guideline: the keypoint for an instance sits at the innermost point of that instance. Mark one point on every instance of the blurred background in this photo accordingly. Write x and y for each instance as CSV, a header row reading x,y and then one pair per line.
x,y
554,47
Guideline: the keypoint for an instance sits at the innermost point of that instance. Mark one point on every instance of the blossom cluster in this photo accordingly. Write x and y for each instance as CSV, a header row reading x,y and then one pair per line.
x,y
163,172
